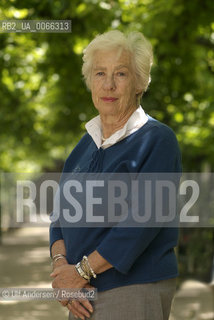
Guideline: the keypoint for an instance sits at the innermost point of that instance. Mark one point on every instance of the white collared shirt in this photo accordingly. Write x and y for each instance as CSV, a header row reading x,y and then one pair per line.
x,y
136,121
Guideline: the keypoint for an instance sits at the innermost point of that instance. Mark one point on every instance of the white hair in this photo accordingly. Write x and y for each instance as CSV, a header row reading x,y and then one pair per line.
x,y
134,42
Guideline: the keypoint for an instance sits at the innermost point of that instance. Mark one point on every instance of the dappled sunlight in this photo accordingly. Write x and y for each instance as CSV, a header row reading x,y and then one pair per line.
x,y
25,258
33,310
27,236
10,302
194,300
207,316
37,255
25,263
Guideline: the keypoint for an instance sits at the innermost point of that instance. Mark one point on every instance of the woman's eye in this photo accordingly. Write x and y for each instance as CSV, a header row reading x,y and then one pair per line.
x,y
121,74
100,73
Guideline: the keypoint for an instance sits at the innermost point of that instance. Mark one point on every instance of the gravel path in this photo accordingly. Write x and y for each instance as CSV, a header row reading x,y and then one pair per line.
x,y
25,263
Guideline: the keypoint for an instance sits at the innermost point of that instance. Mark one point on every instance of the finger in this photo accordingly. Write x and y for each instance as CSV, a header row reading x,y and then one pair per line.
x,y
54,284
87,305
64,302
74,311
54,274
80,309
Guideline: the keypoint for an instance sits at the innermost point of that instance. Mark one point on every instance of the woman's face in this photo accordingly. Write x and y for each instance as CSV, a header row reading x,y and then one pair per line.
x,y
113,83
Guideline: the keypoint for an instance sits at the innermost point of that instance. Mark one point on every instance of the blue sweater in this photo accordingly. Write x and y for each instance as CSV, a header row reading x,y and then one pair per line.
x,y
138,254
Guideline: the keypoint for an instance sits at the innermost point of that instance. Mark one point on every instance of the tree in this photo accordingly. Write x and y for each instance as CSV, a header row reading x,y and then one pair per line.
x,y
44,103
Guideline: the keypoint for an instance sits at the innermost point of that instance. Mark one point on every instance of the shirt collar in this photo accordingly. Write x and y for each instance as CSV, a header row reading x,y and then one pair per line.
x,y
93,127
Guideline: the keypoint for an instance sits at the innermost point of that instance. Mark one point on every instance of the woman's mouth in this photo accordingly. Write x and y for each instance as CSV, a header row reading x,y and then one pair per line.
x,y
109,99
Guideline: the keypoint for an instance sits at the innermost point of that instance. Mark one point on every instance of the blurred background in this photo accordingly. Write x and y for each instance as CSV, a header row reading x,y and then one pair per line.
x,y
44,106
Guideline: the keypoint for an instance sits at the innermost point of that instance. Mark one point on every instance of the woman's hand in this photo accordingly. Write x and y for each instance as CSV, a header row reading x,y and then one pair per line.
x,y
66,276
57,264
78,311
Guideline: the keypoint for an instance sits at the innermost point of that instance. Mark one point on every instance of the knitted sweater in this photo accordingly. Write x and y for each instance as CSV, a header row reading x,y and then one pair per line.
x,y
138,254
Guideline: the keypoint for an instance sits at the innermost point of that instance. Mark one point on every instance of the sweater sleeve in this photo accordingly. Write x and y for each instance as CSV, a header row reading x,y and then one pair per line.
x,y
122,246
55,232
71,164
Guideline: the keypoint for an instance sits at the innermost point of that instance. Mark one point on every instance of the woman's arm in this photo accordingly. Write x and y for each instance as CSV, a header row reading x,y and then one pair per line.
x,y
58,247
98,263
67,275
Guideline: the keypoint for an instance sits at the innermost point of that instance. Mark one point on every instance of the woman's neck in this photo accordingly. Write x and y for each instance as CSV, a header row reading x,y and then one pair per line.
x,y
110,124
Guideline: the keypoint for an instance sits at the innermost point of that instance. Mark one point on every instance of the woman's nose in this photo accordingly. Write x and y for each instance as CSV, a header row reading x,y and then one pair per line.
x,y
109,83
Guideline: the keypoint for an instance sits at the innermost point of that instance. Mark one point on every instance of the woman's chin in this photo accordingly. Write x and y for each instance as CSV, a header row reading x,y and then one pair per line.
x,y
107,110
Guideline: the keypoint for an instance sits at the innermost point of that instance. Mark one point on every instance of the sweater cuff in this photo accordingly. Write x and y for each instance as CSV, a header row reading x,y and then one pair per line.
x,y
55,234
122,246
107,255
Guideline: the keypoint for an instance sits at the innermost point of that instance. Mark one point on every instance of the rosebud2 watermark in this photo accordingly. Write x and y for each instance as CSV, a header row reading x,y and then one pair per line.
x,y
105,200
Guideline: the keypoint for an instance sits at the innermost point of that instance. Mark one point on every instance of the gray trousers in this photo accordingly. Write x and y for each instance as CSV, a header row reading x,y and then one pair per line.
x,y
150,301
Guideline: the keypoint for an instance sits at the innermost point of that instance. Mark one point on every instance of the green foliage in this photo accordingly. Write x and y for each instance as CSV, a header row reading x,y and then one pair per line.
x,y
44,102
196,253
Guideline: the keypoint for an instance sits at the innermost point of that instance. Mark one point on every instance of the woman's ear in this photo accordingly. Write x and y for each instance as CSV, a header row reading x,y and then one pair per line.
x,y
139,91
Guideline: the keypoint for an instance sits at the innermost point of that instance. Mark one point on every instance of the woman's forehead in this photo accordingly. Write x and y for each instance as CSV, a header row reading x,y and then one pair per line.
x,y
117,57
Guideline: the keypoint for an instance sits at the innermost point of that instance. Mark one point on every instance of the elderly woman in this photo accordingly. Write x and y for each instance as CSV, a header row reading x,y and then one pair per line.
x,y
133,269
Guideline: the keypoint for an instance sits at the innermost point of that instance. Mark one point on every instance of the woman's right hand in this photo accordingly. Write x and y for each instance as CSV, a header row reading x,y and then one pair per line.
x,y
56,264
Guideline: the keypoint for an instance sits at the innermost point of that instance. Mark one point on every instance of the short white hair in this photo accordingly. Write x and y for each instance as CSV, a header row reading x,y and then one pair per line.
x,y
134,42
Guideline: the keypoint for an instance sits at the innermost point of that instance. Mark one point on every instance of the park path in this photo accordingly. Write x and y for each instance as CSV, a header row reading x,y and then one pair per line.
x,y
25,262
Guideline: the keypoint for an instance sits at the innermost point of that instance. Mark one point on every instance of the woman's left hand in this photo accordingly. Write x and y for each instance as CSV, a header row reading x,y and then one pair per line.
x,y
66,276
